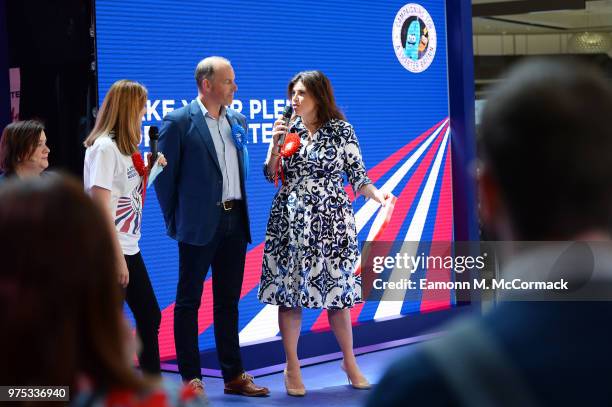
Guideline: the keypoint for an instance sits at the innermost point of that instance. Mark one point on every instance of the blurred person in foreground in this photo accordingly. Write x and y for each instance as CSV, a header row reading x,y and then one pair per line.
x,y
546,176
23,150
60,304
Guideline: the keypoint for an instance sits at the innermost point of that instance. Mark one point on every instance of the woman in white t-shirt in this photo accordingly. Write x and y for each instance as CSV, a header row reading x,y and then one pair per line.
x,y
115,176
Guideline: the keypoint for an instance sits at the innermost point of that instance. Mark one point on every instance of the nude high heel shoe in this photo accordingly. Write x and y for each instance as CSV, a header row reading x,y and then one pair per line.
x,y
364,385
297,392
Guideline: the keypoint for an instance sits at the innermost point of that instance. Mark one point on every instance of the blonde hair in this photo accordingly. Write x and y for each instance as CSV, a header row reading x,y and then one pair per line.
x,y
120,114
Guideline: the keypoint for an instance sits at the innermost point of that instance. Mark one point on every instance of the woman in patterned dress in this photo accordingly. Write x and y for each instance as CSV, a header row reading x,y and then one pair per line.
x,y
311,251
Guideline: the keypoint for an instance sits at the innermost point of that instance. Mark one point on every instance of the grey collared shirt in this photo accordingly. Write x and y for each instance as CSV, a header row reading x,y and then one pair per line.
x,y
221,133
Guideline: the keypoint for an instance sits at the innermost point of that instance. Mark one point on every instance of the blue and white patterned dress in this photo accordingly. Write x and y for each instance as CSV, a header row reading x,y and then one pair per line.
x,y
311,251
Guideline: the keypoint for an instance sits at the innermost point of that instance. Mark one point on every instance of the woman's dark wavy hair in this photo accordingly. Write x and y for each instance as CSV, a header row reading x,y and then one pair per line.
x,y
319,86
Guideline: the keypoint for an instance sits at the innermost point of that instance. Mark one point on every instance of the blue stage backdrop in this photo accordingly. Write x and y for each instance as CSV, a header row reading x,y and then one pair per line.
x,y
387,62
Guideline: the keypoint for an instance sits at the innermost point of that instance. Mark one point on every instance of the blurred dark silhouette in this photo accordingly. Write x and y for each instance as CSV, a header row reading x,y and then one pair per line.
x,y
546,175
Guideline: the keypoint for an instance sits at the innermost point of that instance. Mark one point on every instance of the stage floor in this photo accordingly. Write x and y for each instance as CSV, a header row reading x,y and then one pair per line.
x,y
325,383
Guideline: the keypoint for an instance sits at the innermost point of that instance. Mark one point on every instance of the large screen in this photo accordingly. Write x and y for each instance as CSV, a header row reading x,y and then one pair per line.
x,y
387,61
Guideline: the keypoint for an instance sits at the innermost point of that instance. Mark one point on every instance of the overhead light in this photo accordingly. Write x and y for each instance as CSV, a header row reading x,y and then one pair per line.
x,y
590,43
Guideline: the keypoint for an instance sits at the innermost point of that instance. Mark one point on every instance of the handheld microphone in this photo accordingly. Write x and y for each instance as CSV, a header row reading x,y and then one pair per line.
x,y
287,113
153,137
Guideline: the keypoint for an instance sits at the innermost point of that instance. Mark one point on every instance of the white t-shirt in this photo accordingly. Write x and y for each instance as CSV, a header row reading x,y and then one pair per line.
x,y
107,168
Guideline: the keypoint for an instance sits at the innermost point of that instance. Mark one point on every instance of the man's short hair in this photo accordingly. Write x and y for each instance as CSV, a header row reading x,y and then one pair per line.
x,y
547,139
206,68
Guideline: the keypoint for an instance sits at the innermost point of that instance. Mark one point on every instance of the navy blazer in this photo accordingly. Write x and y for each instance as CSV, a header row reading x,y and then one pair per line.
x,y
189,189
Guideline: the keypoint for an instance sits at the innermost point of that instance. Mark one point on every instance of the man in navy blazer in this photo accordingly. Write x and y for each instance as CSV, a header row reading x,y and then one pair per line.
x,y
203,198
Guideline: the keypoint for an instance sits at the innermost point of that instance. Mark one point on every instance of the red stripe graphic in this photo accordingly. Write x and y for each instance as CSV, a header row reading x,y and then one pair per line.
x,y
434,300
126,226
384,166
123,210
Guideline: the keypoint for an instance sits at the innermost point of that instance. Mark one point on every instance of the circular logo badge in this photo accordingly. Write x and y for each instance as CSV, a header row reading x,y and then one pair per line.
x,y
414,38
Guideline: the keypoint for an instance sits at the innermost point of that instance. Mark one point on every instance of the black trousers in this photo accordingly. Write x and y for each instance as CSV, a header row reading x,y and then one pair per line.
x,y
226,254
141,299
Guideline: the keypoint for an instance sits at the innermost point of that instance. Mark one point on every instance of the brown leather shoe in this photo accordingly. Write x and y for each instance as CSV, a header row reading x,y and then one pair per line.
x,y
243,385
